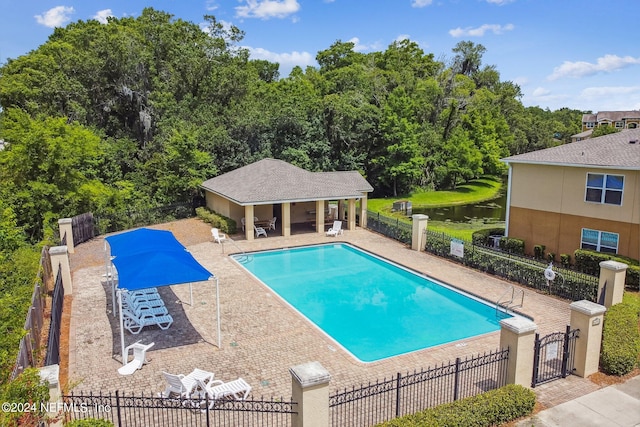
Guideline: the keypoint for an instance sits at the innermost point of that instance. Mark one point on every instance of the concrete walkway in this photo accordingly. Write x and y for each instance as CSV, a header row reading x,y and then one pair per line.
x,y
616,405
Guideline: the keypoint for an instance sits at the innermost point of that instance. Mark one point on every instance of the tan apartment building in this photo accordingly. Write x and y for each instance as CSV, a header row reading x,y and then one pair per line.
x,y
617,119
585,194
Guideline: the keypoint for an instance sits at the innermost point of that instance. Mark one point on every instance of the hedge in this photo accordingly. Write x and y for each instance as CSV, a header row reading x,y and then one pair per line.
x,y
589,262
90,422
224,224
620,339
487,409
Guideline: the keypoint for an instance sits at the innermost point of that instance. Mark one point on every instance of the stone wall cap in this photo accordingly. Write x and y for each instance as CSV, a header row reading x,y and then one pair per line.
x,y
50,374
613,265
587,307
419,216
58,250
519,325
310,374
65,221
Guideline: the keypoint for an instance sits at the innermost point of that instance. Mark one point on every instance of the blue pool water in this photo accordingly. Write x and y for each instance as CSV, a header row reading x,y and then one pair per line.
x,y
372,308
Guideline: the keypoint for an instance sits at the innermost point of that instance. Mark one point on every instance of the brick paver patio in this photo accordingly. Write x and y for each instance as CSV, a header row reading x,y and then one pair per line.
x,y
262,337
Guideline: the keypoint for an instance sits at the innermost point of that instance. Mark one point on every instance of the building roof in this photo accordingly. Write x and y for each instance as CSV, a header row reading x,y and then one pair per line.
x,y
613,116
276,181
584,134
620,150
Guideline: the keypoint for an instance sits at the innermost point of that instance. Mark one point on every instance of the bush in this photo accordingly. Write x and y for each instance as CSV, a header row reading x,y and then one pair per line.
x,y
481,237
26,388
226,225
565,260
589,262
620,339
538,251
487,409
90,422
512,245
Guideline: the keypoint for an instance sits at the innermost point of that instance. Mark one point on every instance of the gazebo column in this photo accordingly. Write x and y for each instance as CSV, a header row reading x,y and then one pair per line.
x,y
351,215
248,222
286,219
363,211
320,216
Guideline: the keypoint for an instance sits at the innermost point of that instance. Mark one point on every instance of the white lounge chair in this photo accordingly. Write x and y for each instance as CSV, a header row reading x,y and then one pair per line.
x,y
237,389
185,386
217,236
335,229
139,351
137,303
260,231
134,322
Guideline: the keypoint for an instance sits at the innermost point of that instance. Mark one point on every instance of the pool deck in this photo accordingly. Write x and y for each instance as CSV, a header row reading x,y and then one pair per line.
x,y
261,336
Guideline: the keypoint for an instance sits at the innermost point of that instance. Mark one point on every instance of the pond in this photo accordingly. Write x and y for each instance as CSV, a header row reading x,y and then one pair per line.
x,y
487,211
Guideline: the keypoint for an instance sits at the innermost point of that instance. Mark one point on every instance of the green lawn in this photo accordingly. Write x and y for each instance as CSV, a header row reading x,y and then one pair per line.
x,y
475,191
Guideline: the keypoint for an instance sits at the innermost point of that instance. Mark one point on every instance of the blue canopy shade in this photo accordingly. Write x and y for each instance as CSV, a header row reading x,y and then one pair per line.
x,y
158,268
148,258
142,240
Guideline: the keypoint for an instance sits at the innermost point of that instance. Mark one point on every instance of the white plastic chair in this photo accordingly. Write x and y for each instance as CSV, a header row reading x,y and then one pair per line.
x,y
139,351
260,231
217,236
237,389
242,222
272,223
335,229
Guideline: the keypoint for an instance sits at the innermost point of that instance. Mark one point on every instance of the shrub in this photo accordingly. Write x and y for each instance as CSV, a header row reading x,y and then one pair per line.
x,y
90,422
26,388
512,245
620,339
481,237
538,251
487,409
565,260
589,262
226,225
551,257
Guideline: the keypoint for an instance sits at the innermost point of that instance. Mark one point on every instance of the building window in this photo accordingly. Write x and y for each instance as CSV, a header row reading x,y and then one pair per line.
x,y
619,125
590,125
601,241
604,188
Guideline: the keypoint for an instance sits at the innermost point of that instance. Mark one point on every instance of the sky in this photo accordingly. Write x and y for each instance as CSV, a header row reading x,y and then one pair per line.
x,y
579,54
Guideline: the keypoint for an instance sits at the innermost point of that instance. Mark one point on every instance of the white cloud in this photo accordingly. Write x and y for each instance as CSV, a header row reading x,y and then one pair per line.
x,y
402,37
480,31
286,60
211,5
266,9
604,64
609,91
102,15
521,81
55,17
421,3
540,91
500,2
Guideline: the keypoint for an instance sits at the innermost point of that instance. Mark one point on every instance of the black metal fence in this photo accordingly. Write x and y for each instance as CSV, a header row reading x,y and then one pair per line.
x,y
554,356
568,284
146,410
390,227
29,349
384,400
53,342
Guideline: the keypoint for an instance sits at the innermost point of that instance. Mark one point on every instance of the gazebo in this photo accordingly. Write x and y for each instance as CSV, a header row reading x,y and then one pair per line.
x,y
272,188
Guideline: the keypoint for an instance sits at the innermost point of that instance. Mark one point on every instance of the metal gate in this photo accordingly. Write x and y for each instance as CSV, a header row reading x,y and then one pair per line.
x,y
554,356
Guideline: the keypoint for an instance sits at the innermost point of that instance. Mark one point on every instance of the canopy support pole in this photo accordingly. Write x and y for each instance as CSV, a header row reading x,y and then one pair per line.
x,y
218,310
124,356
191,294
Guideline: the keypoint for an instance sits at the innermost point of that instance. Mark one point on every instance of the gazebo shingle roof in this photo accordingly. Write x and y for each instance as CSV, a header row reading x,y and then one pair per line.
x,y
271,180
620,150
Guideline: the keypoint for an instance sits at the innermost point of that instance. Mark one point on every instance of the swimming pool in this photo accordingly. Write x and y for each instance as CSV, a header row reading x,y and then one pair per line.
x,y
372,308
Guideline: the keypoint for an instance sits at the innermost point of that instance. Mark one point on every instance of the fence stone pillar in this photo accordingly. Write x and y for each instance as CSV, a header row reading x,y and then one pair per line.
x,y
51,375
588,317
418,235
518,334
612,279
60,261
310,390
65,226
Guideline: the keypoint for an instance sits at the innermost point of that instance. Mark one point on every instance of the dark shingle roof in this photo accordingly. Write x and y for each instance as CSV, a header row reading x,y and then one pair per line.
x,y
613,116
271,180
609,151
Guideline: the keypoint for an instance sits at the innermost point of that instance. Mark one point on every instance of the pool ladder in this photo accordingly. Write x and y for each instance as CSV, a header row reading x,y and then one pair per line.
x,y
507,301
244,258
